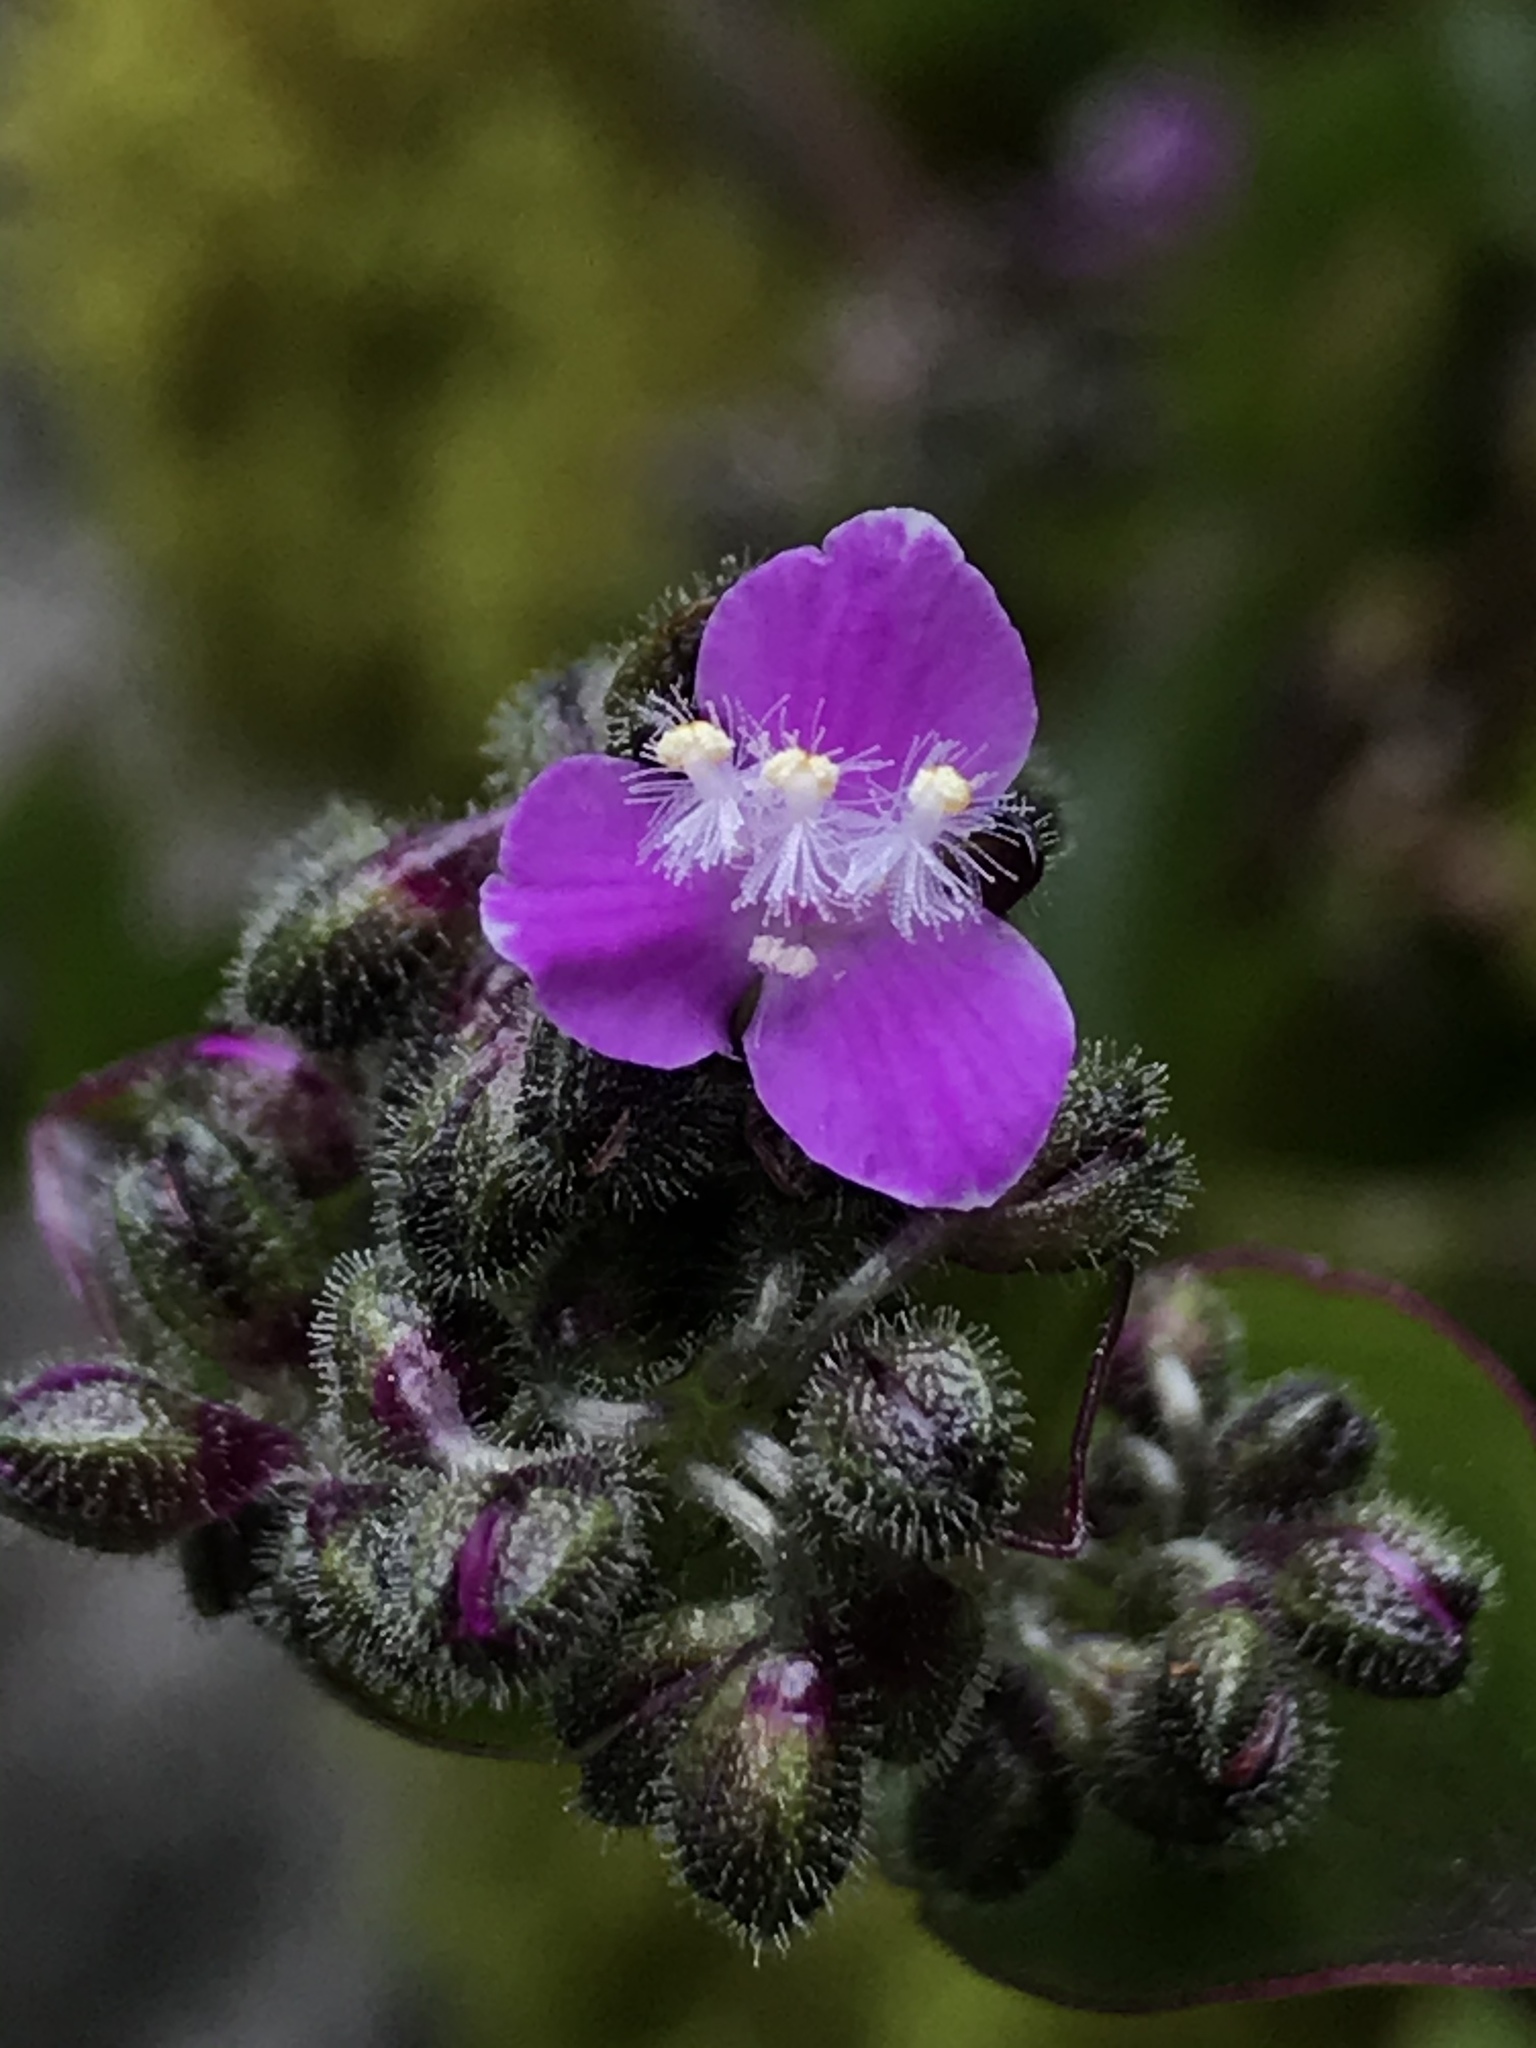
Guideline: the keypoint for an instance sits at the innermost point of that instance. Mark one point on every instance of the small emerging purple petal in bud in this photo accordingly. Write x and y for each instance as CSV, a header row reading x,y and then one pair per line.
x,y
111,1460
548,1565
1384,1603
765,1795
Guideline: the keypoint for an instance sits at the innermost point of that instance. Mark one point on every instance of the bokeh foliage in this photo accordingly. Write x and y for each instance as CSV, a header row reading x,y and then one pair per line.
x,y
370,317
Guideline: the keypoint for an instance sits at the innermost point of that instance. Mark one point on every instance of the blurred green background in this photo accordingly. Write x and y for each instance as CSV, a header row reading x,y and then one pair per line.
x,y
360,356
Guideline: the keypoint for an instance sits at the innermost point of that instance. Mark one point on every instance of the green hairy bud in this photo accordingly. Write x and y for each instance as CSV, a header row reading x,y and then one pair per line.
x,y
362,924
624,1717
1384,1601
1004,1809
1217,1742
907,1437
1106,1183
765,1795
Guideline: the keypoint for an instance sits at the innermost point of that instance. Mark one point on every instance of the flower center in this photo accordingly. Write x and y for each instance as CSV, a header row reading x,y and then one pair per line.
x,y
804,780
694,747
939,791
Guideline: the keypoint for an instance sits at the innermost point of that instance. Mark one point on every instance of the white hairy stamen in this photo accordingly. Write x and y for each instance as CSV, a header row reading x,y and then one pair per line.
x,y
915,854
700,822
694,747
938,792
803,779
798,835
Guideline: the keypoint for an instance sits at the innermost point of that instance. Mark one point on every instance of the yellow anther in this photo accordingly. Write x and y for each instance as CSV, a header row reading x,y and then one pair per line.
x,y
800,775
940,790
698,744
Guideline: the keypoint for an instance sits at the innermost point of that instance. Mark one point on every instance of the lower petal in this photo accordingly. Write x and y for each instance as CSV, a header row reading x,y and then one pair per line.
x,y
622,959
929,1069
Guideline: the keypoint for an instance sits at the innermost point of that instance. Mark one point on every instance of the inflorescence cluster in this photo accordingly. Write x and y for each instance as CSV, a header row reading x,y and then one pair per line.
x,y
513,1387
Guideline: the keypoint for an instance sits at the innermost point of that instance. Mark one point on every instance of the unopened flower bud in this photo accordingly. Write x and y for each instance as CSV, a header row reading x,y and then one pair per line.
x,y
353,1581
1105,1184
396,1385
765,1795
657,666
463,1199
624,1714
1005,1807
1134,1486
219,1249
363,1579
260,1096
547,1567
1171,1368
264,1091
1217,1742
906,1437
1299,1440
112,1460
629,1138
1385,1602
907,1646
553,714
364,922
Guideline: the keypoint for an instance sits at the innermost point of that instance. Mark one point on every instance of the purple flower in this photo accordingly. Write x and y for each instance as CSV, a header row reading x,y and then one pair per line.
x,y
1149,157
806,825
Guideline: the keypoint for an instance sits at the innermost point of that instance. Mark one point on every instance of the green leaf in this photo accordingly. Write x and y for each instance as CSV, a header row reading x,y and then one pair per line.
x,y
1422,1868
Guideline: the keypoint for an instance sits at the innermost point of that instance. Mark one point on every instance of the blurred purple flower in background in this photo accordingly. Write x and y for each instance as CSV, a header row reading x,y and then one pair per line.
x,y
1147,158
804,831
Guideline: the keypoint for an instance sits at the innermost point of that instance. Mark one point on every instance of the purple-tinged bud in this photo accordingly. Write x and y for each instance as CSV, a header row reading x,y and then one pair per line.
x,y
906,1648
1217,1742
1298,1441
1384,1603
353,1580
548,1567
274,1097
397,1387
253,1110
1004,1809
1107,1184
906,1438
109,1459
219,1251
1171,1370
765,1795
624,1714
364,924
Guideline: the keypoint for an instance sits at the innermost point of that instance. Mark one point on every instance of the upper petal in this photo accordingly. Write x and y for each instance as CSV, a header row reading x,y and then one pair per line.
x,y
634,965
885,637
929,1069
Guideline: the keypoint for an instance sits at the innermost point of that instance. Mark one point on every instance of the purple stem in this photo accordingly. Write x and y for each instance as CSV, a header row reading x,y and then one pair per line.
x,y
1072,1529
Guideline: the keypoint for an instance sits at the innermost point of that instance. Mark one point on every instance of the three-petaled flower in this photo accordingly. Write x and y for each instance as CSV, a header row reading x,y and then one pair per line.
x,y
808,822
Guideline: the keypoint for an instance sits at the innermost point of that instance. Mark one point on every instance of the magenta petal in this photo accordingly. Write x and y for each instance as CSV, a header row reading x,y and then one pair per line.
x,y
629,963
885,637
929,1069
